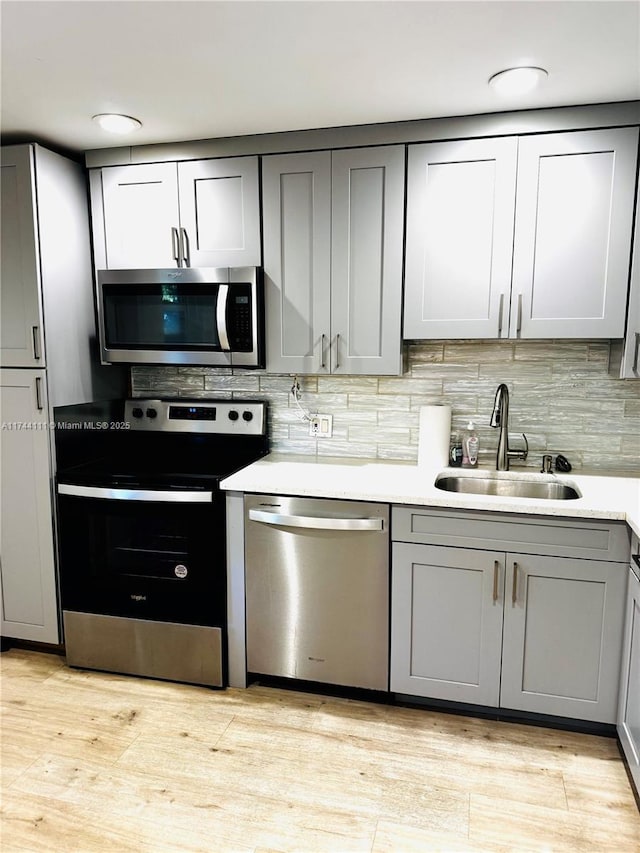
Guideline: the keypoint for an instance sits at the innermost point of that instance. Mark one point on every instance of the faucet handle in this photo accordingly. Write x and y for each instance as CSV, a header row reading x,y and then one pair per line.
x,y
520,454
547,459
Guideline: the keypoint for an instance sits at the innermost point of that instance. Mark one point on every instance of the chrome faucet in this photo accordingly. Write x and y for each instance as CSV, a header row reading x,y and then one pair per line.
x,y
500,418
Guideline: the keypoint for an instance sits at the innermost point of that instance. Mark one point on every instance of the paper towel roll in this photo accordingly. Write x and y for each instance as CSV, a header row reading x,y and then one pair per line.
x,y
435,435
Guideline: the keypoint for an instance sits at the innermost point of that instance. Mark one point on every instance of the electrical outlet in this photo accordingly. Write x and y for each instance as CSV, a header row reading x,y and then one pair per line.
x,y
321,426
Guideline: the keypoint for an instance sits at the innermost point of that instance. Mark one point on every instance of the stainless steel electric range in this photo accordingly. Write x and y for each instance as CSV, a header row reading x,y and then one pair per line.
x,y
142,534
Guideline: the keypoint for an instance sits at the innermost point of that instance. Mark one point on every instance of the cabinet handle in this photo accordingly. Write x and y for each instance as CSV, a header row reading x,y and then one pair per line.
x,y
35,339
337,351
500,310
496,570
635,353
322,340
175,244
39,405
184,247
514,592
519,321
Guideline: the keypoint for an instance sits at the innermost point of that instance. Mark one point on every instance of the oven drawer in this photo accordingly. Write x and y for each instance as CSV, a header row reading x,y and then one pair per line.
x,y
187,653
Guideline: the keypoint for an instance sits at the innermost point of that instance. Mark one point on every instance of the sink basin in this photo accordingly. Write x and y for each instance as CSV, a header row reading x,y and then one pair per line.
x,y
509,486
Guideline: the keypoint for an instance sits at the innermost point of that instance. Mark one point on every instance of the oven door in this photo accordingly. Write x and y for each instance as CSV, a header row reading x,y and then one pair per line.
x,y
156,555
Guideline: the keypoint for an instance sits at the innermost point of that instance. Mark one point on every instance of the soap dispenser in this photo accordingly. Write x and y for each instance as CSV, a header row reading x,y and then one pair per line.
x,y
470,445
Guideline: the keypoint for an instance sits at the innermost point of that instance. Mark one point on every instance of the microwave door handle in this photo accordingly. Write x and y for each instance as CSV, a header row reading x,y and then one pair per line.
x,y
221,317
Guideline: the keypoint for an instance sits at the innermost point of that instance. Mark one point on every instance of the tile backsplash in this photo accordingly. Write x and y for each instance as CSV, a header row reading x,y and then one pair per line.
x,y
562,395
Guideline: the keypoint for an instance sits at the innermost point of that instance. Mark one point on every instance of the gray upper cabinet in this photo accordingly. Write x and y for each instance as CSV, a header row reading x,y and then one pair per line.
x,y
139,206
220,212
333,260
574,210
20,303
200,213
459,238
630,368
296,199
548,259
367,211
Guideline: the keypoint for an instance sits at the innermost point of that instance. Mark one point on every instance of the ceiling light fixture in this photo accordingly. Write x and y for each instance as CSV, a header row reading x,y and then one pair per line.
x,y
114,123
517,81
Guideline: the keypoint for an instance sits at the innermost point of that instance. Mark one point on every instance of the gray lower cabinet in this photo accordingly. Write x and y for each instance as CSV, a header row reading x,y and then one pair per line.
x,y
524,631
446,625
333,233
562,636
629,704
28,589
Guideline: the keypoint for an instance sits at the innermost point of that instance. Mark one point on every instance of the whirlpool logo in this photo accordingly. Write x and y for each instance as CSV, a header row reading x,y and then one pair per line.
x,y
138,597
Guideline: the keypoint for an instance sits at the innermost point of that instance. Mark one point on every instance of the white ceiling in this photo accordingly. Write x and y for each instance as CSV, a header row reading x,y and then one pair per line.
x,y
195,70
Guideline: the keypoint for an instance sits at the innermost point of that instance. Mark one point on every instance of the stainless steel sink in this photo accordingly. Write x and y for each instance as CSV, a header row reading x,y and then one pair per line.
x,y
509,487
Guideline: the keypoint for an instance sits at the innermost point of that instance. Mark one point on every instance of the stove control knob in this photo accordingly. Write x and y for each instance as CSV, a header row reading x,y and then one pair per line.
x,y
247,416
233,415
137,412
152,413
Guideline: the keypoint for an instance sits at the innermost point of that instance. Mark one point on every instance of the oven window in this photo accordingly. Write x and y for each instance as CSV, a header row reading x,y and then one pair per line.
x,y
147,548
161,316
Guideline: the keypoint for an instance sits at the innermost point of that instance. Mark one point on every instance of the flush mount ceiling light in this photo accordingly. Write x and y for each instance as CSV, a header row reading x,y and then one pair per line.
x,y
517,81
114,123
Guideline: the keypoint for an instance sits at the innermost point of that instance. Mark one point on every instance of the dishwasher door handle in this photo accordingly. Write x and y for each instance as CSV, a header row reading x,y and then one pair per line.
x,y
315,522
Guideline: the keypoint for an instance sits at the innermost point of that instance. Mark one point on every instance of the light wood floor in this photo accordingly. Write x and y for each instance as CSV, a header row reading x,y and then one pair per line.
x,y
96,762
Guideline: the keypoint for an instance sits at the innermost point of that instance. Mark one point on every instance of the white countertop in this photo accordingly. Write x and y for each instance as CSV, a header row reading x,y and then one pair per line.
x,y
612,498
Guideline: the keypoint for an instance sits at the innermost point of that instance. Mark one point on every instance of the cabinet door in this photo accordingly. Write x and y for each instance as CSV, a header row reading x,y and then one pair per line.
x,y
446,623
630,368
296,199
629,704
140,209
573,234
367,211
460,209
20,312
28,593
220,212
563,636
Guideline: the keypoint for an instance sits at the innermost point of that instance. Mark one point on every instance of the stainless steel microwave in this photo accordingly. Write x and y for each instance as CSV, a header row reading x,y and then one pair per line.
x,y
187,316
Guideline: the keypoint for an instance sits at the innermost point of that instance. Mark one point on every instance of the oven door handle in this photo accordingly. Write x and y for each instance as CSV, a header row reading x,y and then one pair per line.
x,y
135,494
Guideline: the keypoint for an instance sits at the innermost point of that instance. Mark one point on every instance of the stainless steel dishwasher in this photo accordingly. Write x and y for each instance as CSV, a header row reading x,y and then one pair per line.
x,y
317,590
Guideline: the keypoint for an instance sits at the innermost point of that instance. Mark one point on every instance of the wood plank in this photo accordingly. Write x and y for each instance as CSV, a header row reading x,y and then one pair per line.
x,y
155,766
527,827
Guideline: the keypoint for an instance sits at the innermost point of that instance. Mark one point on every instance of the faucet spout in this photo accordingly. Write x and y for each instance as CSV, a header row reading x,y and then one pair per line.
x,y
500,419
